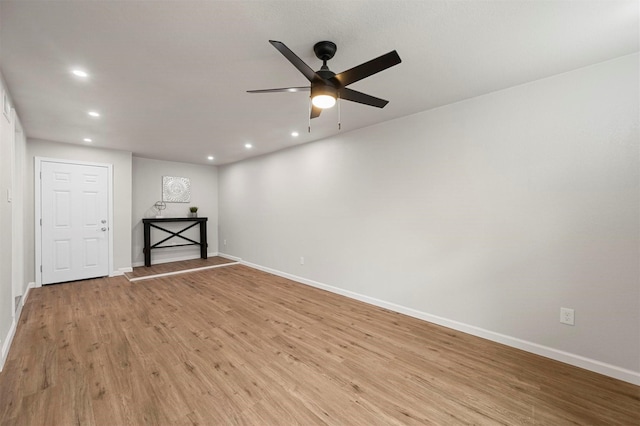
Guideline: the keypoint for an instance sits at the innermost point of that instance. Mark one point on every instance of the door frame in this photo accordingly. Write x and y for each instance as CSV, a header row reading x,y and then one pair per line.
x,y
38,209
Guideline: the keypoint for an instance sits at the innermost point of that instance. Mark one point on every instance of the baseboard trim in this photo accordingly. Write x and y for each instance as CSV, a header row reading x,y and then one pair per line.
x,y
7,344
24,298
625,375
121,271
166,274
228,256
174,259
14,326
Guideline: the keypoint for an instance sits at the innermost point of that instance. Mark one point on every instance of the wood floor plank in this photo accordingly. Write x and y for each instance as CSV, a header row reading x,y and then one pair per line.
x,y
238,346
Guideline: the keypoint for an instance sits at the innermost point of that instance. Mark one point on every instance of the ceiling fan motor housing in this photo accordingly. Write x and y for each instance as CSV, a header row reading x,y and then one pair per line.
x,y
328,85
324,89
325,50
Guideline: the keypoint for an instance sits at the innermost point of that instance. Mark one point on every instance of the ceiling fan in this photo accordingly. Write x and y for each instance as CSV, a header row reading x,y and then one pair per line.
x,y
327,86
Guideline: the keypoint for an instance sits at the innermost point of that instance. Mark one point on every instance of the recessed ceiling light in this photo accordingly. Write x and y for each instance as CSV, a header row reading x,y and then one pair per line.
x,y
79,73
94,114
210,157
248,145
87,140
292,89
295,134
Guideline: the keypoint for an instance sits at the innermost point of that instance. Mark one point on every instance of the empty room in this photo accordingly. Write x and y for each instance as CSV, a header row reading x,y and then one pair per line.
x,y
320,212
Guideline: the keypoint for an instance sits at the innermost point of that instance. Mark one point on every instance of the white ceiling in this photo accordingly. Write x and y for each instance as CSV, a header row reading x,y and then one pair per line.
x,y
170,77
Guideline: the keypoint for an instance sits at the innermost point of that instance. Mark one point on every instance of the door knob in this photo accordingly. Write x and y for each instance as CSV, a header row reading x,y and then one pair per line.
x,y
104,229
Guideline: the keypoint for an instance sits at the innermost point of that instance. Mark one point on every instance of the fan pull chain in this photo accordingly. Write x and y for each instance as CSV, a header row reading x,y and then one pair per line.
x,y
339,116
309,115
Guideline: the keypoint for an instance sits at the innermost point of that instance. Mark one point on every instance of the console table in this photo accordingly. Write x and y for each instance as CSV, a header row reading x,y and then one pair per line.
x,y
152,223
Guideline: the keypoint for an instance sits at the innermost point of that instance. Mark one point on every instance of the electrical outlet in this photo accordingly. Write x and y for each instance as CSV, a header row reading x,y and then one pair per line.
x,y
224,242
567,316
301,260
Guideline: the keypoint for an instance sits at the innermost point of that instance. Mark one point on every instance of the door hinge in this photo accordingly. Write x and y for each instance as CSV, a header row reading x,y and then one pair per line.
x,y
40,221
40,268
40,175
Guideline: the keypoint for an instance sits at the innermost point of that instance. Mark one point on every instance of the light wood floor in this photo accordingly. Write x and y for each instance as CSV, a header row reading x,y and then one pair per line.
x,y
238,346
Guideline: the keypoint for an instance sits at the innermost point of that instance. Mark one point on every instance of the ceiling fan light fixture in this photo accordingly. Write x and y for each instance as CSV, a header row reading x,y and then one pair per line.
x,y
323,101
323,96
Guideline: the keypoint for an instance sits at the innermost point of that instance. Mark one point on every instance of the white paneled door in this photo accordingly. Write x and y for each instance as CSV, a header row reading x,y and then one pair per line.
x,y
75,228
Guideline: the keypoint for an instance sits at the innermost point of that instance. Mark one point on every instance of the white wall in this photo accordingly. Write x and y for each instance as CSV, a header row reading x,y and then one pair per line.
x,y
7,167
147,189
487,215
13,279
20,281
121,227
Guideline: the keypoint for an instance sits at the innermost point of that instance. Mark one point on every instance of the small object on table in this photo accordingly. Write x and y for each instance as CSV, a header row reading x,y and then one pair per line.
x,y
159,206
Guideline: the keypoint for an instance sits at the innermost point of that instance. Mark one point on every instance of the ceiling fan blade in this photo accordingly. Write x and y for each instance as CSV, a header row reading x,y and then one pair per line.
x,y
315,111
293,58
371,67
284,89
362,98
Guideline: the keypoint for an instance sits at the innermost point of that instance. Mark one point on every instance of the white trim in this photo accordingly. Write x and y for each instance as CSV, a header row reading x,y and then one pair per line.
x,y
545,351
121,271
38,211
14,325
7,343
228,256
24,299
175,259
110,212
166,274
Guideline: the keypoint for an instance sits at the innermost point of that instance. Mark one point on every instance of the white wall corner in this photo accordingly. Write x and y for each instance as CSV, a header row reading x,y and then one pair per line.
x,y
619,373
237,259
27,292
121,271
